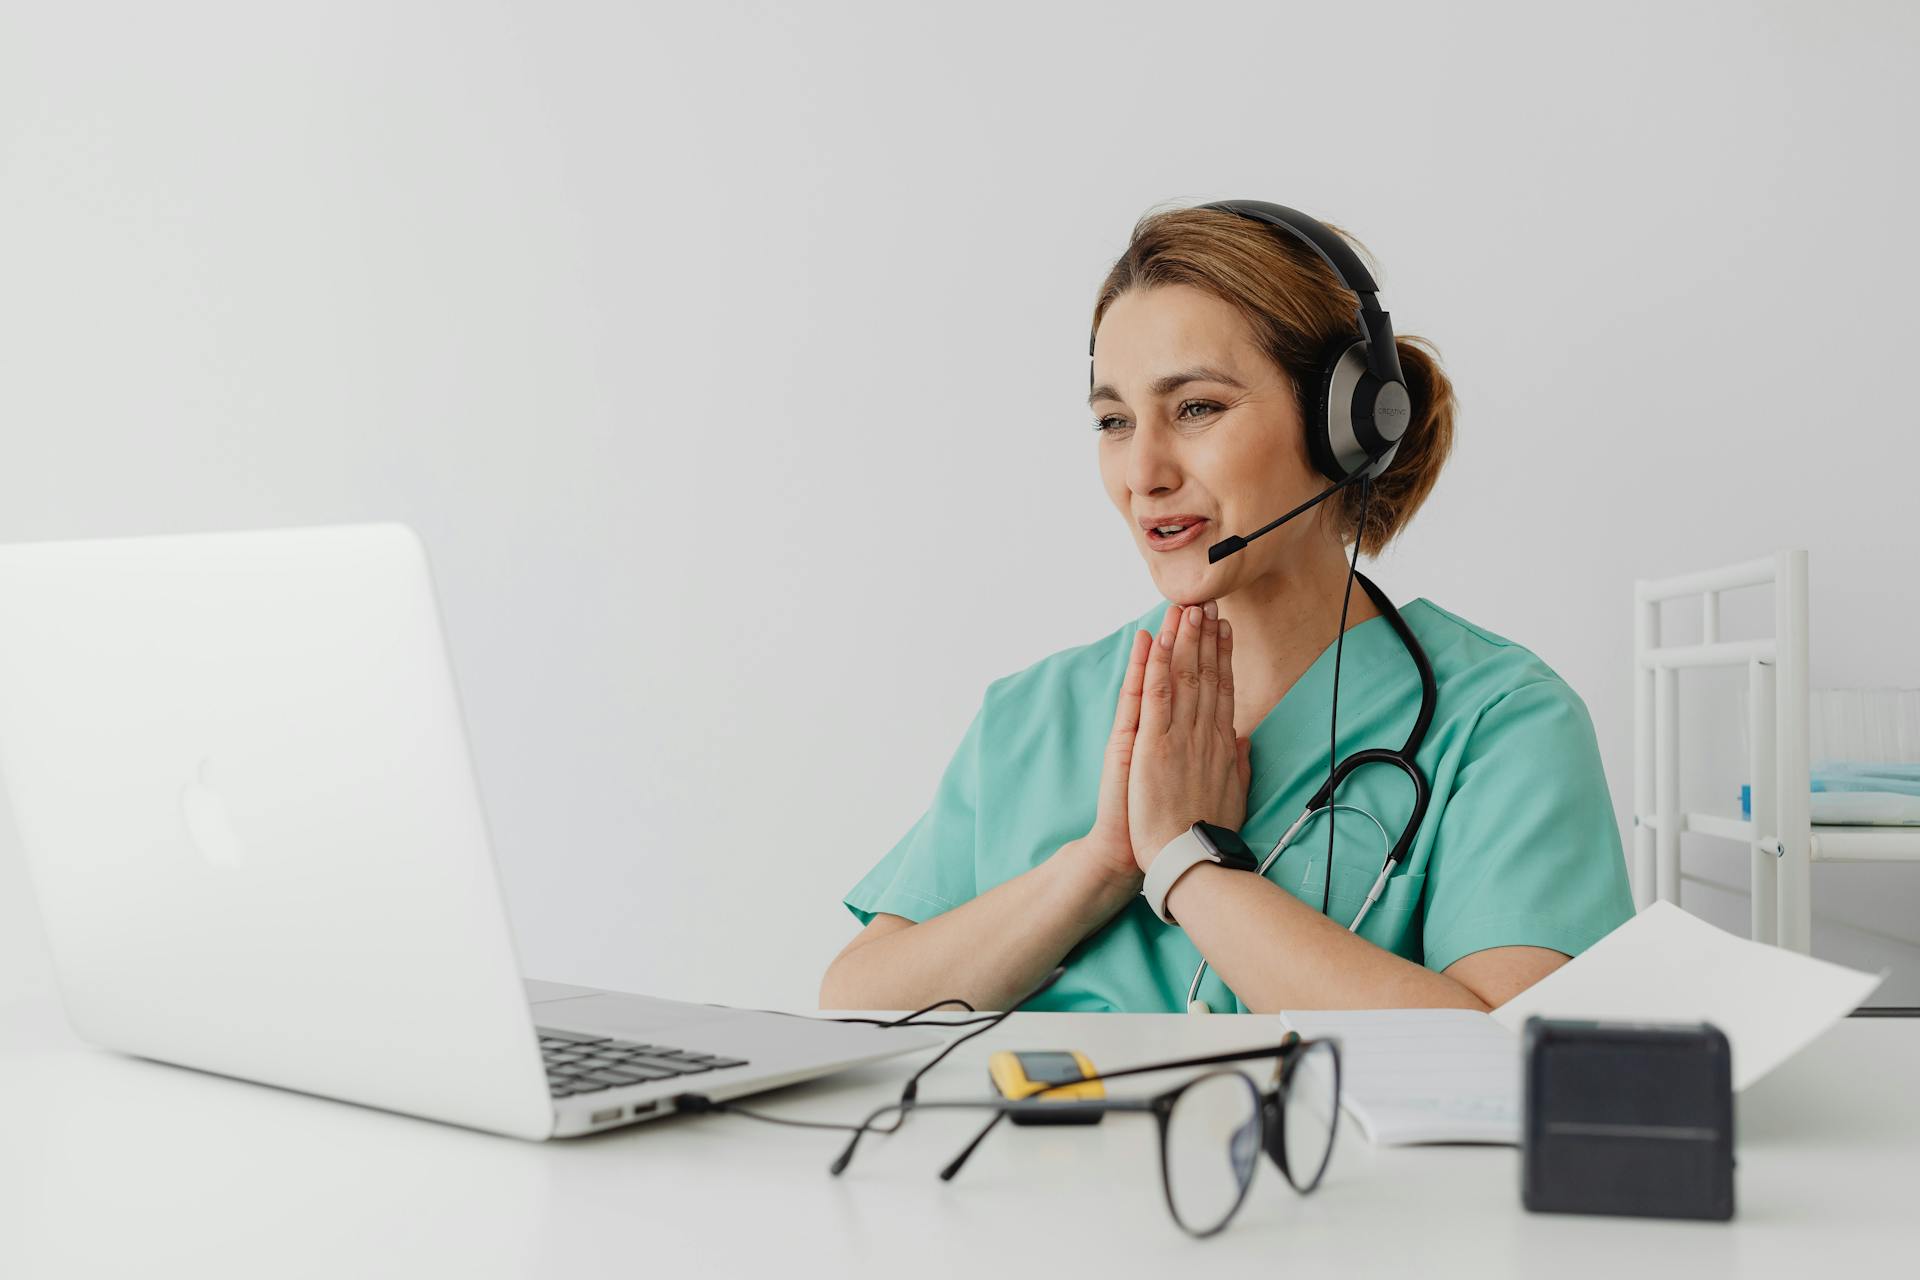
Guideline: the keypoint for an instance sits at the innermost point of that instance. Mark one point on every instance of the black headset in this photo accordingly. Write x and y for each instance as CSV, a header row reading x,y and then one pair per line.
x,y
1361,408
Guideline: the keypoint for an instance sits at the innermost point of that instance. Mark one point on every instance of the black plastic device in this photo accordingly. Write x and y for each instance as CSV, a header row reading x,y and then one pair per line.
x,y
1627,1118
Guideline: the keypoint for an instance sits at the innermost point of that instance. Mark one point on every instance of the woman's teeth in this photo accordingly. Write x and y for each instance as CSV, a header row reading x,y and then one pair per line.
x,y
1180,536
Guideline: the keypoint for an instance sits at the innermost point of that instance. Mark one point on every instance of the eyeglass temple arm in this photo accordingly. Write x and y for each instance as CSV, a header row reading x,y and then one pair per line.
x,y
909,1094
1288,1045
1239,1055
1007,1106
904,1105
954,1165
1002,1106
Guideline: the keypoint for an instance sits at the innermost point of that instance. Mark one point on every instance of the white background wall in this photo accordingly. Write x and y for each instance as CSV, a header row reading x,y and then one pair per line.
x,y
731,360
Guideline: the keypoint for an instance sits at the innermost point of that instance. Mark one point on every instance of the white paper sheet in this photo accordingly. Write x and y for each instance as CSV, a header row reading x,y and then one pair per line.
x,y
1665,965
1423,1075
1453,1075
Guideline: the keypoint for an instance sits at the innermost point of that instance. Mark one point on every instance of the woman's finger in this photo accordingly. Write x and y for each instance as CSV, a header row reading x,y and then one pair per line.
x,y
1126,712
1207,692
1223,703
1156,693
1186,671
1117,771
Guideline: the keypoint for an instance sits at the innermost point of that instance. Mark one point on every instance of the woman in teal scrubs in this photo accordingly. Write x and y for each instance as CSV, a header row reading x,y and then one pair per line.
x,y
1078,770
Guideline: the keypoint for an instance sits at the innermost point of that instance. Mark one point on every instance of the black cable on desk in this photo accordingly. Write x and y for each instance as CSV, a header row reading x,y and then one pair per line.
x,y
701,1104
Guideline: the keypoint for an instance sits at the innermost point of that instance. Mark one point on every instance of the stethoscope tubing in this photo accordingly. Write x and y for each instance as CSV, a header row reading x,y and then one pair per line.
x,y
1403,759
1280,847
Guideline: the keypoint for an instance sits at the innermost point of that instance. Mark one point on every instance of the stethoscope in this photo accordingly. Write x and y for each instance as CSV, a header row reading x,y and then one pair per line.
x,y
1321,800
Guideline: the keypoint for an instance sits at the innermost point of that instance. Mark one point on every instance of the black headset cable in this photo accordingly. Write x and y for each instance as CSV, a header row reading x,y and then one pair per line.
x,y
1333,717
700,1103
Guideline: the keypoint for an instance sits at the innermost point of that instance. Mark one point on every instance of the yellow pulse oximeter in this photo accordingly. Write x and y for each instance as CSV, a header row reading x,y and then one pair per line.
x,y
1018,1075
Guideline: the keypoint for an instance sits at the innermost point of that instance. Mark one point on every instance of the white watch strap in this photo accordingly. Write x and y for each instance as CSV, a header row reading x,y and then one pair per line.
x,y
1182,854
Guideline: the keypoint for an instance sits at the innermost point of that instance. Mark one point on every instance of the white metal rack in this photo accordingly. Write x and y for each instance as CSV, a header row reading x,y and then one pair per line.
x,y
1782,841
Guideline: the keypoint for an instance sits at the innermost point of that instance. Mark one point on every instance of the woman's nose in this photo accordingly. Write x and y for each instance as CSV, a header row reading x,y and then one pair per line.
x,y
1151,464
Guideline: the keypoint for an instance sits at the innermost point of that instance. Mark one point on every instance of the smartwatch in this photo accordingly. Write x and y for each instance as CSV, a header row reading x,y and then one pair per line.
x,y
1202,842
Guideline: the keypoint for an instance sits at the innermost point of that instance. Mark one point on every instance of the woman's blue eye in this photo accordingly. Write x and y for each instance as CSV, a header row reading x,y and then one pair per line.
x,y
1113,422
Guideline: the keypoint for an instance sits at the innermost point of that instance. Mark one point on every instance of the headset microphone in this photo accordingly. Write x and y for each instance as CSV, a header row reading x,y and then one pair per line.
x,y
1361,408
1227,546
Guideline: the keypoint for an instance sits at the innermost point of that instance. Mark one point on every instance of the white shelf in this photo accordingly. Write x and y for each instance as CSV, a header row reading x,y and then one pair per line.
x,y
1828,844
1713,824
1786,843
1865,844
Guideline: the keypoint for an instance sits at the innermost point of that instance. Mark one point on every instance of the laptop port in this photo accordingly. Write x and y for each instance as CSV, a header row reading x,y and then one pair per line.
x,y
646,1108
604,1114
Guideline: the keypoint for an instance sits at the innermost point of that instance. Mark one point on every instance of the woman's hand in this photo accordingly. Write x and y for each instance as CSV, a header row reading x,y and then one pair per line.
x,y
1110,843
1187,765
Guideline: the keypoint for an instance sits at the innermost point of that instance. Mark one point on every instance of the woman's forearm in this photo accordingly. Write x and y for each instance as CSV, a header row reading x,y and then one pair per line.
x,y
990,950
1275,952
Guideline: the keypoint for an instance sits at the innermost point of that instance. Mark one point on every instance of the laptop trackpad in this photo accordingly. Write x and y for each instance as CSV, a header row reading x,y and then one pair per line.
x,y
623,1016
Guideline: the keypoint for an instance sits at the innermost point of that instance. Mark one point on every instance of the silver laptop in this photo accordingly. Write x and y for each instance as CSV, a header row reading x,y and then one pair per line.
x,y
241,779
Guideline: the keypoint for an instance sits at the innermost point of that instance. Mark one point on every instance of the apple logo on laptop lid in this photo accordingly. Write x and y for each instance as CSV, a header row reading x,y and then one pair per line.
x,y
208,824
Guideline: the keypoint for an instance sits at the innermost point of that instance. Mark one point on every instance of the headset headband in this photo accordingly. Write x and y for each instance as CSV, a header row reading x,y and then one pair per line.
x,y
1358,406
1383,357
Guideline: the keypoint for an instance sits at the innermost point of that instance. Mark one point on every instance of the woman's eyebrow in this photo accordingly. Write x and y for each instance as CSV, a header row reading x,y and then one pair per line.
x,y
1168,382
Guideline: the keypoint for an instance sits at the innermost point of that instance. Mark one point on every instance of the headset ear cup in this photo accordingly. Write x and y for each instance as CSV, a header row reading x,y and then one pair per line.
x,y
1332,412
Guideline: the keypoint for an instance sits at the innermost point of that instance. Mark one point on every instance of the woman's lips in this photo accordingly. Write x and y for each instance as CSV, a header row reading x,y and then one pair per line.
x,y
1187,535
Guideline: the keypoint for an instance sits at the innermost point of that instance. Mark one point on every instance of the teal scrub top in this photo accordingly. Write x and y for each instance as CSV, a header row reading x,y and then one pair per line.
x,y
1519,845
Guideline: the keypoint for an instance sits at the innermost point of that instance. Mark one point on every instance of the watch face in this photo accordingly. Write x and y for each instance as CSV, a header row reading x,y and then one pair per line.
x,y
1226,842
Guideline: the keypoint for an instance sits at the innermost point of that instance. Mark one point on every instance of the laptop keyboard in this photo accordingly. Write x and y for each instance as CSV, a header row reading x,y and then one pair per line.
x,y
587,1064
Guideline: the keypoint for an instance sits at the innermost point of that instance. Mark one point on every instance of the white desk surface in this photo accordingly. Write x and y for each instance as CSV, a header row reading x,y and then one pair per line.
x,y
115,1166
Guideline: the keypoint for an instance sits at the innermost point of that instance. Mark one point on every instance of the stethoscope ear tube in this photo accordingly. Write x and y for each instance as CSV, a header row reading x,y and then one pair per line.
x,y
1373,896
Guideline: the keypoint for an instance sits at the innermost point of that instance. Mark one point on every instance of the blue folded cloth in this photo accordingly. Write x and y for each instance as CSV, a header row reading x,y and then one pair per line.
x,y
1842,775
1857,793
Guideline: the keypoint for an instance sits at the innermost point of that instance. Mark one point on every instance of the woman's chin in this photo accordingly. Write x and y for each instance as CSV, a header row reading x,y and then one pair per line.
x,y
1185,584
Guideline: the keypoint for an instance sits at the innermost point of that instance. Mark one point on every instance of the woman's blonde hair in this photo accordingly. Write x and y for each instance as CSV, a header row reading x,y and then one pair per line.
x,y
1299,311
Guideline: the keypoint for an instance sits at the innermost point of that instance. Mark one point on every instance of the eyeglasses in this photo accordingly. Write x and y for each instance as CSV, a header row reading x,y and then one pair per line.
x,y
1212,1127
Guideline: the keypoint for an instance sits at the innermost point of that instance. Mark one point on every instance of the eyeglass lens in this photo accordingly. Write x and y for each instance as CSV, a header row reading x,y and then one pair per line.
x,y
1212,1145
1310,1111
